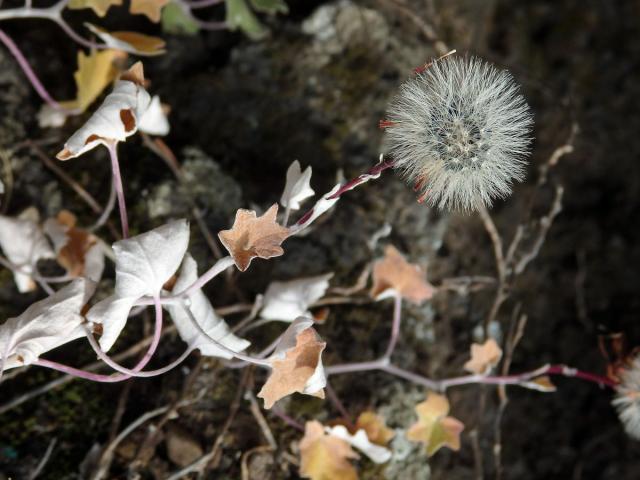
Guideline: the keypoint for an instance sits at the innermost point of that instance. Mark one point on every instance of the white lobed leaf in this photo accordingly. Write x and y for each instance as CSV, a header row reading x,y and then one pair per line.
x,y
144,263
24,243
50,117
153,120
318,380
360,440
287,301
321,206
107,124
45,325
297,187
205,315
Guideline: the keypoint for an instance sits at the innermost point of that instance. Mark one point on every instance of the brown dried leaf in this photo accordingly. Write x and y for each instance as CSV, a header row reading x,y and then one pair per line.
x,y
483,357
100,7
325,457
394,273
293,372
151,8
375,427
253,236
434,428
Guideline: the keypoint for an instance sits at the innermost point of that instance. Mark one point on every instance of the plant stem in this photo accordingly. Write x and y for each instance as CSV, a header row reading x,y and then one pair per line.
x,y
117,183
395,326
28,71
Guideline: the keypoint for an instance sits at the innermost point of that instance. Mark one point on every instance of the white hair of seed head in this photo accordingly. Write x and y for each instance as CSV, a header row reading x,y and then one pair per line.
x,y
460,130
627,400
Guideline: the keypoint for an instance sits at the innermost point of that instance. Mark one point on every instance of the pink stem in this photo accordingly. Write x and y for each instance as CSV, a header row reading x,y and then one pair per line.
x,y
96,377
28,71
287,419
117,182
395,327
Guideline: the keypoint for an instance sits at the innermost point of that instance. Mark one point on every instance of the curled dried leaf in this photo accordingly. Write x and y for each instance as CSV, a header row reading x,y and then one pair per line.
x,y
325,457
375,426
254,237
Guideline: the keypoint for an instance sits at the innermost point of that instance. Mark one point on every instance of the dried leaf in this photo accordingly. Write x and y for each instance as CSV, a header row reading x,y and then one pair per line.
x,y
296,364
542,384
361,441
289,300
95,72
204,314
376,428
434,428
120,116
253,236
100,7
130,42
393,274
325,457
78,251
484,357
297,186
45,325
144,263
151,8
24,243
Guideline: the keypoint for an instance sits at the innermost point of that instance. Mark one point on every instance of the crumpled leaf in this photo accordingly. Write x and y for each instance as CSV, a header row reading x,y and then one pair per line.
x,y
100,7
151,8
130,42
253,236
154,119
296,364
239,15
287,301
144,263
204,314
393,274
119,116
360,440
484,357
375,427
297,186
45,325
434,428
270,6
78,251
177,19
324,456
24,243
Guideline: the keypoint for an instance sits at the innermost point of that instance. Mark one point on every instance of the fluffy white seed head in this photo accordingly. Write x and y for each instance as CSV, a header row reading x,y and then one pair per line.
x,y
627,399
460,131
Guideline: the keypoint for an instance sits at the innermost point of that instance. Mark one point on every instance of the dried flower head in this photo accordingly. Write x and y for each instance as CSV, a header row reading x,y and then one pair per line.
x,y
460,131
627,400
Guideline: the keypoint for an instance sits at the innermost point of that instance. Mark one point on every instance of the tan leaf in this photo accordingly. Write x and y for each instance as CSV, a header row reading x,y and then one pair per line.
x,y
100,7
542,384
131,42
95,72
325,457
484,357
151,8
434,428
394,274
296,369
253,236
376,428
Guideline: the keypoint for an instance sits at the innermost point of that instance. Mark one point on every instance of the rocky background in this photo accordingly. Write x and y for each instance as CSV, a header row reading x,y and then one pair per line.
x,y
314,90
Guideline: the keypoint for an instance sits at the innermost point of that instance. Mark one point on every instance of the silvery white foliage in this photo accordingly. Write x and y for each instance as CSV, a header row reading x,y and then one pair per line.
x,y
321,206
318,380
460,131
287,301
24,243
45,325
144,263
627,399
204,314
94,257
297,186
153,120
360,440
